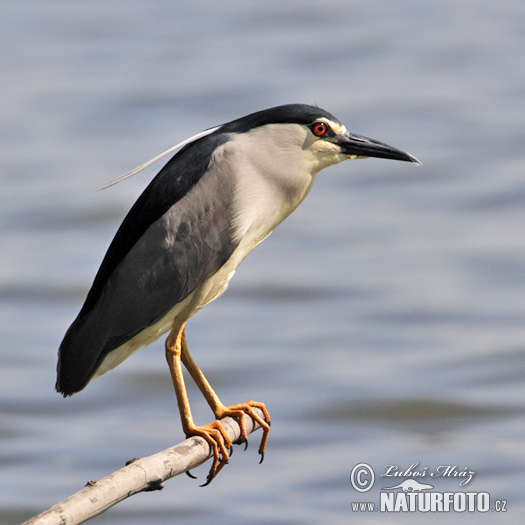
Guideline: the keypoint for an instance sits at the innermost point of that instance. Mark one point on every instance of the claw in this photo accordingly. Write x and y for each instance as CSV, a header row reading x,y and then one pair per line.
x,y
245,444
219,443
242,409
213,472
262,457
190,475
209,479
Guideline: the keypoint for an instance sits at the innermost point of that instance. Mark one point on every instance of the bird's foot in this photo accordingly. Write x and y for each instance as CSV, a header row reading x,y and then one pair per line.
x,y
217,438
238,411
219,442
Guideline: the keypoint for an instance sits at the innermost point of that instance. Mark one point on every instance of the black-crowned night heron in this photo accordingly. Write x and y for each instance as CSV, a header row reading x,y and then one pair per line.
x,y
180,244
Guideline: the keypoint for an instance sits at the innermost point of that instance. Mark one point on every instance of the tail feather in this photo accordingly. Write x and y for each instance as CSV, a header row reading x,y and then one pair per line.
x,y
78,355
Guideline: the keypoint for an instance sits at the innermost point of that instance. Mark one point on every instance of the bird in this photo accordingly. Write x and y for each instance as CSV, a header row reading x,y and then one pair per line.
x,y
220,195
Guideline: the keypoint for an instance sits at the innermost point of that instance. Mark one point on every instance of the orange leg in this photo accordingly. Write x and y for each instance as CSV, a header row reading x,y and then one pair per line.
x,y
213,433
221,410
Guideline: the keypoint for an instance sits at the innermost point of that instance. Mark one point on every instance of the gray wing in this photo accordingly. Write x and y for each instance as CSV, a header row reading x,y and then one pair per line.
x,y
177,252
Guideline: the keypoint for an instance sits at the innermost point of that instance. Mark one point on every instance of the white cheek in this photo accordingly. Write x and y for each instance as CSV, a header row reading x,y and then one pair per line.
x,y
326,154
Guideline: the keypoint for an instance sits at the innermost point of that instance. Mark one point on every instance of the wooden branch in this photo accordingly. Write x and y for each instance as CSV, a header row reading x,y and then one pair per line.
x,y
140,475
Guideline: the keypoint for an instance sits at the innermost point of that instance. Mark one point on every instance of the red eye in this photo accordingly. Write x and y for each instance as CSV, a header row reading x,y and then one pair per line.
x,y
319,129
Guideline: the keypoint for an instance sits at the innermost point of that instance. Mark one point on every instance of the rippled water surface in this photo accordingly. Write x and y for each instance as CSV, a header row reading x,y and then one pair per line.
x,y
383,322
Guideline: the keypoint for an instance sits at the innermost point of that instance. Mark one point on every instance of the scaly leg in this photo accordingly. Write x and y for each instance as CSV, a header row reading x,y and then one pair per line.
x,y
213,433
221,410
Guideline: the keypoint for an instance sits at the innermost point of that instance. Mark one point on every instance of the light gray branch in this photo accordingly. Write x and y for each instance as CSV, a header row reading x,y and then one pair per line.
x,y
142,475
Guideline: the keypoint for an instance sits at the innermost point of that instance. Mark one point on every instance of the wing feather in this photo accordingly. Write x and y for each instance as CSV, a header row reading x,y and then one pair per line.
x,y
176,236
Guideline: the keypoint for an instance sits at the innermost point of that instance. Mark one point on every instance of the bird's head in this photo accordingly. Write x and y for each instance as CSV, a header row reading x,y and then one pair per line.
x,y
312,133
332,143
292,134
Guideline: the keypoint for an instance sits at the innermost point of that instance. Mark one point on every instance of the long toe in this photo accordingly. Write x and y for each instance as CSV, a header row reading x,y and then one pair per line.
x,y
219,443
238,411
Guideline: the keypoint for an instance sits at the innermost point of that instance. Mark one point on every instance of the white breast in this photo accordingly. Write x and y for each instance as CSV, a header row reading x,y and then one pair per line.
x,y
273,175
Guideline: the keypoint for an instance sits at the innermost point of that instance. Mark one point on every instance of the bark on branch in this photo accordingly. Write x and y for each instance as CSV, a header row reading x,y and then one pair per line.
x,y
141,475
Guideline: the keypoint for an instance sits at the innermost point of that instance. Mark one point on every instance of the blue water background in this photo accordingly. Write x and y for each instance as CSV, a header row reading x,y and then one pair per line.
x,y
383,322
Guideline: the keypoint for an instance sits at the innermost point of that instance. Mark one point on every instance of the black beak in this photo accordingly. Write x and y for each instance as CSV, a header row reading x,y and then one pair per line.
x,y
364,147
